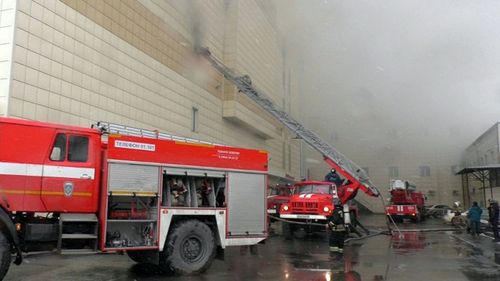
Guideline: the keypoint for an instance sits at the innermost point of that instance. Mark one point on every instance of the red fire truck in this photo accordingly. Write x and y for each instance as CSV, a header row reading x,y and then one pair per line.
x,y
310,205
406,202
278,195
161,199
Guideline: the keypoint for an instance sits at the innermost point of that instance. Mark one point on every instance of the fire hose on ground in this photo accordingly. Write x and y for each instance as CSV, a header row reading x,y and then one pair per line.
x,y
369,233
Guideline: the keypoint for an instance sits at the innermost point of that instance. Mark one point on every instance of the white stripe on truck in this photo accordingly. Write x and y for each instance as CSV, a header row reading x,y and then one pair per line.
x,y
36,170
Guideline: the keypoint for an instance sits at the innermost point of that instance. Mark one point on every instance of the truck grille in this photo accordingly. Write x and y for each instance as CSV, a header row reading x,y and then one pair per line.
x,y
305,207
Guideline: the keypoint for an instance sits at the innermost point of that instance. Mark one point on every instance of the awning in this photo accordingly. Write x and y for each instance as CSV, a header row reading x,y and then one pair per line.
x,y
472,169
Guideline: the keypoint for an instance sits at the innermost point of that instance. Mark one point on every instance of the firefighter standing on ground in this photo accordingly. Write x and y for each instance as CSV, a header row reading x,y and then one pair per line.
x,y
337,228
493,214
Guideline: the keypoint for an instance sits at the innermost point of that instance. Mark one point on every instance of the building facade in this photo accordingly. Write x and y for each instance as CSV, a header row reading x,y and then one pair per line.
x,y
430,167
132,62
481,168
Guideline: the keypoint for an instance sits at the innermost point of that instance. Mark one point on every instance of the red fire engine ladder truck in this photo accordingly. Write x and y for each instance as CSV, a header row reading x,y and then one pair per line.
x,y
357,177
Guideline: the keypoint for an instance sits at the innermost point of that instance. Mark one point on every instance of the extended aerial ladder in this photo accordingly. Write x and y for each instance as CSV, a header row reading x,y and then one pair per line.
x,y
356,176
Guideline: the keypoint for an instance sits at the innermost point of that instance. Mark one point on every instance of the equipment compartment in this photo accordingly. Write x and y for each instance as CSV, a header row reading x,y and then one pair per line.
x,y
132,220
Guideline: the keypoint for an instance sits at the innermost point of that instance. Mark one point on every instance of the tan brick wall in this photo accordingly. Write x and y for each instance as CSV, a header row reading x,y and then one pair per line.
x,y
7,19
145,30
78,62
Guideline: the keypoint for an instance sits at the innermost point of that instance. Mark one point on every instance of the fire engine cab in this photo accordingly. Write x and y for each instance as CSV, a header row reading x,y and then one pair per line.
x,y
159,198
309,207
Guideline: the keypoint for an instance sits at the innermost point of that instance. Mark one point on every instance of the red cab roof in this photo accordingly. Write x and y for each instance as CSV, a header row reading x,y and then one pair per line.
x,y
25,122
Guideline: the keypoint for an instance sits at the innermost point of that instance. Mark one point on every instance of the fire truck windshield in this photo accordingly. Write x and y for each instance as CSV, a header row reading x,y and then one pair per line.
x,y
311,188
280,191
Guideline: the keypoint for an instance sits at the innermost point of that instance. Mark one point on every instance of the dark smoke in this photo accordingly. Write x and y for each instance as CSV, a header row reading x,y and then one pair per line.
x,y
398,76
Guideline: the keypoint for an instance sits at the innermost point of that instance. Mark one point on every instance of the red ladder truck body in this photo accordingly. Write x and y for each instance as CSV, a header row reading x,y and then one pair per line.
x,y
406,202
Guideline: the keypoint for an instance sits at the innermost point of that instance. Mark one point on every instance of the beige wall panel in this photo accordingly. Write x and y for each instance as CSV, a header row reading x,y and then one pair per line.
x,y
7,21
258,52
484,150
99,63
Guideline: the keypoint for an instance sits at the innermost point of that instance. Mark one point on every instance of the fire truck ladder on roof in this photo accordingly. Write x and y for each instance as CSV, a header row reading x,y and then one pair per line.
x,y
111,128
244,85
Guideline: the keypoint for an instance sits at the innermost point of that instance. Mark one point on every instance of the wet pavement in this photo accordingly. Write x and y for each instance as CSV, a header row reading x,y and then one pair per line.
x,y
443,255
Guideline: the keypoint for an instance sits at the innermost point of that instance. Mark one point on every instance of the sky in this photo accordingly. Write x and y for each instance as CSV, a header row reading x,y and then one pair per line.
x,y
413,75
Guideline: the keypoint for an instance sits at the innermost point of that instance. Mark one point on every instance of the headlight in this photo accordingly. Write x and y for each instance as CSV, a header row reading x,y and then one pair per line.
x,y
285,207
326,209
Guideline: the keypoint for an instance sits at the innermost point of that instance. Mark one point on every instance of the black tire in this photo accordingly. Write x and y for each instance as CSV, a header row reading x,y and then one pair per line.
x,y
299,233
5,255
189,249
397,219
287,230
140,256
417,218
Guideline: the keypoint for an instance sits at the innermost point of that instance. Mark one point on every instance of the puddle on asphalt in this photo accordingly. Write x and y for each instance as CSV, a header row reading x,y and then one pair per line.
x,y
397,257
408,242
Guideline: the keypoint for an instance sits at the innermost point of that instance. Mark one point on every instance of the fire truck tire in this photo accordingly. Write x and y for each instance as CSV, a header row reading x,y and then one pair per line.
x,y
299,233
190,248
139,257
5,255
417,218
287,230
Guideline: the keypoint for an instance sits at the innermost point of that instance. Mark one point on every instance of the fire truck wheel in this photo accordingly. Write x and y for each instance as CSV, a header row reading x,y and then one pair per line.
x,y
190,248
139,256
5,255
417,218
287,230
299,233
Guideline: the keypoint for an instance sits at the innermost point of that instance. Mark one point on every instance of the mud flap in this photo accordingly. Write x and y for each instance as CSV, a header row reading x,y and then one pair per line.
x,y
219,253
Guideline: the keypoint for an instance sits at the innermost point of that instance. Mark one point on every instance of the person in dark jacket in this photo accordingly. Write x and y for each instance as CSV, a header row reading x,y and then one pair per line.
x,y
332,176
474,215
493,213
337,228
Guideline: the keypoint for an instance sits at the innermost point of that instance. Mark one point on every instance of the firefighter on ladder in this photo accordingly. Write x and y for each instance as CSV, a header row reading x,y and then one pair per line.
x,y
337,228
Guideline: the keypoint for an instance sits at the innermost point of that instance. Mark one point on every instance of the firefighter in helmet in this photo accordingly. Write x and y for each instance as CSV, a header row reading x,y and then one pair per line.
x,y
337,228
334,177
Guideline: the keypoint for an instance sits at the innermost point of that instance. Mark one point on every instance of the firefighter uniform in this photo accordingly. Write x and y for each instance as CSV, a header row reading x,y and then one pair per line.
x,y
337,228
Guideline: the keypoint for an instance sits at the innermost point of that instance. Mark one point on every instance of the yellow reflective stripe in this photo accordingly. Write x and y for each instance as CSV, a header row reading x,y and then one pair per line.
x,y
12,191
48,193
132,193
194,144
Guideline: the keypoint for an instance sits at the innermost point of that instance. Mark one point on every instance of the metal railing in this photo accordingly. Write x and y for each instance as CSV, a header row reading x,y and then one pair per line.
x,y
111,128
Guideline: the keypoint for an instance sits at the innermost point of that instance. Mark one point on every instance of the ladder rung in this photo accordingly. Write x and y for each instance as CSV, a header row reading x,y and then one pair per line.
x,y
145,133
72,217
78,251
79,236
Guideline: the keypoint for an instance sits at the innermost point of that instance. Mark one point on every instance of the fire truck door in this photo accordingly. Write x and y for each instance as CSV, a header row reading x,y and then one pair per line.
x,y
69,175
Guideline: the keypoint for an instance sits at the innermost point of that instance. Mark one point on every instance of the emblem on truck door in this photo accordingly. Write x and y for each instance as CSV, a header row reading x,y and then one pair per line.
x,y
68,189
